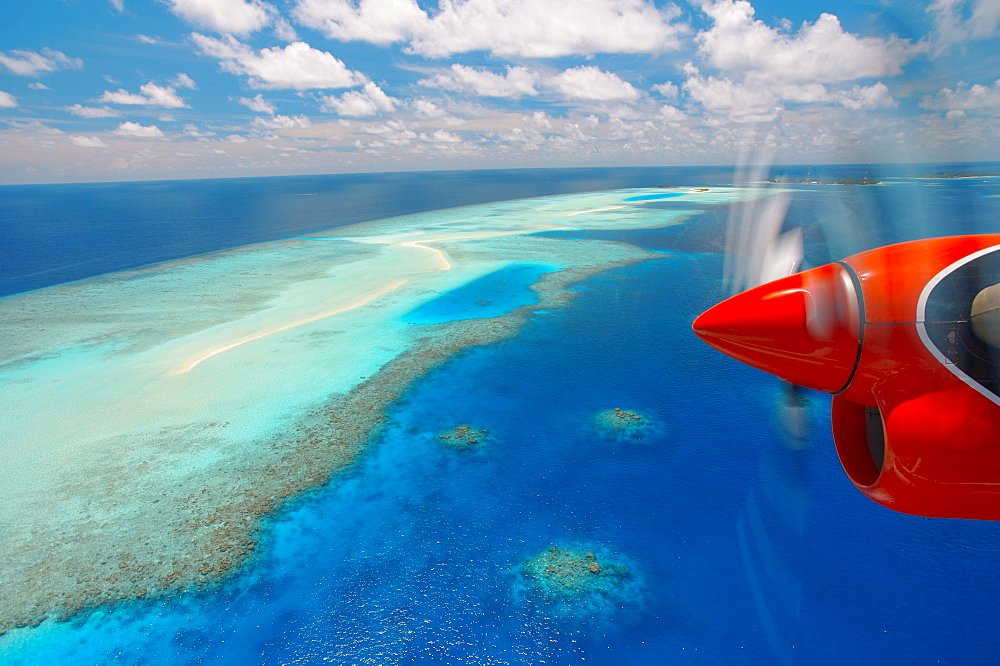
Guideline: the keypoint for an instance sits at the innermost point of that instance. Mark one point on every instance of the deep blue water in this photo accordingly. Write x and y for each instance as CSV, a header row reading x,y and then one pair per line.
x,y
56,233
741,550
651,197
492,295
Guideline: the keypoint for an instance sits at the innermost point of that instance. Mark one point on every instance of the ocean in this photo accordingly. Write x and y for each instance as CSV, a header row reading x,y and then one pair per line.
x,y
713,540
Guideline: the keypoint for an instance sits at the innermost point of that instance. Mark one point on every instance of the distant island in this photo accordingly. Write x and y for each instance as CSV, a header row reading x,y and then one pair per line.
x,y
826,181
961,174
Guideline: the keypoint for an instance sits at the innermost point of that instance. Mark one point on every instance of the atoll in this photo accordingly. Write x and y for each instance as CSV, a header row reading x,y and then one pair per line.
x,y
622,424
464,437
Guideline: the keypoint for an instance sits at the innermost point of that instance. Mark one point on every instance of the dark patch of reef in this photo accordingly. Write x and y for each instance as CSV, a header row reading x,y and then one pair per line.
x,y
622,424
464,437
579,583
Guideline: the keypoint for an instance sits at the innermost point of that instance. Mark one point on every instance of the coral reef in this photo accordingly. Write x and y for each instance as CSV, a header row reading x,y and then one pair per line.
x,y
463,437
191,535
566,575
622,424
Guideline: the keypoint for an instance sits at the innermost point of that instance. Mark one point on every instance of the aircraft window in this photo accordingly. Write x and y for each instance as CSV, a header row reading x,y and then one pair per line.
x,y
948,320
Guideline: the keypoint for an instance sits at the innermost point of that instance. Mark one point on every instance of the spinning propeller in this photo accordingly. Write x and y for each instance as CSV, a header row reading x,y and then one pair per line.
x,y
903,336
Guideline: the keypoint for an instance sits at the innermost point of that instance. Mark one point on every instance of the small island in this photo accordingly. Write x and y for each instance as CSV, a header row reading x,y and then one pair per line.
x,y
826,181
961,174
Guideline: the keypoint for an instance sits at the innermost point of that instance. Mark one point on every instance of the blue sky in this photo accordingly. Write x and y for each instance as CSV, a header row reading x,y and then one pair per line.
x,y
94,90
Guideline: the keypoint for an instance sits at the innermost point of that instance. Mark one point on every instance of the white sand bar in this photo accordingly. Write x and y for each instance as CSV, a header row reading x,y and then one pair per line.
x,y
141,412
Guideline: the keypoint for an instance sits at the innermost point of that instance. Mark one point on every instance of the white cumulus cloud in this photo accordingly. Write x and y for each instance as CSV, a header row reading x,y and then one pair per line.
x,y
7,101
517,82
821,52
742,103
88,141
379,22
237,17
667,89
258,103
427,109
672,114
444,136
297,66
281,122
149,94
368,101
868,97
32,63
965,98
506,28
592,83
761,68
129,128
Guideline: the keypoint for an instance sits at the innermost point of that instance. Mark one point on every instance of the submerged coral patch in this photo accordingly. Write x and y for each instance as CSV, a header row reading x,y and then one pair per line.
x,y
464,437
578,582
622,424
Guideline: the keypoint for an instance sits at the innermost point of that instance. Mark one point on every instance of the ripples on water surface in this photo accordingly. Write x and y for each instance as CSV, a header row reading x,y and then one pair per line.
x,y
738,549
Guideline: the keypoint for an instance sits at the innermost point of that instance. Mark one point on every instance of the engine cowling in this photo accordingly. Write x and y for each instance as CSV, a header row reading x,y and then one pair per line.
x,y
894,335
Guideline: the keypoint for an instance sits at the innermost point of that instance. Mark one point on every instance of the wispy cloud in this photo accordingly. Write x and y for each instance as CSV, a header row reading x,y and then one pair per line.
x,y
957,21
281,122
236,17
33,63
965,98
182,80
258,103
92,111
515,83
140,131
368,101
149,94
87,141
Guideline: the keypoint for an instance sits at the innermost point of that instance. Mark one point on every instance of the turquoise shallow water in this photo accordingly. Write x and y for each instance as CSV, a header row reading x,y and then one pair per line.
x,y
739,549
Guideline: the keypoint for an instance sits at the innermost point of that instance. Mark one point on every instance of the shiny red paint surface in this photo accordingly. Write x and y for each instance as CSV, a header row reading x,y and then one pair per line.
x,y
791,328
937,452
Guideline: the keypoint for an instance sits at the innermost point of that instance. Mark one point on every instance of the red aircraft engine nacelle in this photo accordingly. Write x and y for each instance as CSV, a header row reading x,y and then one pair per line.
x,y
907,339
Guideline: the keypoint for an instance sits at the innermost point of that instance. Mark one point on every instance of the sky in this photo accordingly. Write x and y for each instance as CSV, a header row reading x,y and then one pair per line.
x,y
108,90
